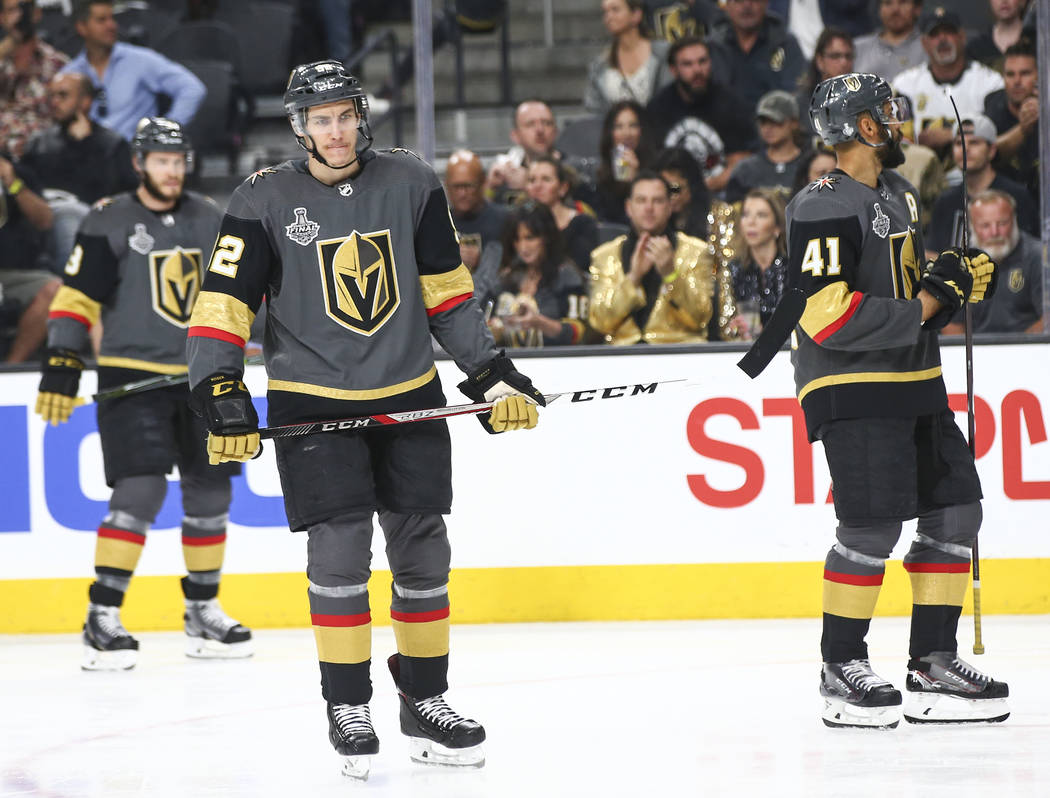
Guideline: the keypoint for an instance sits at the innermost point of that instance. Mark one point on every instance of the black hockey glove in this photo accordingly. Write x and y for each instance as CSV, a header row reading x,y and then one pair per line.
x,y
59,384
513,393
233,425
955,280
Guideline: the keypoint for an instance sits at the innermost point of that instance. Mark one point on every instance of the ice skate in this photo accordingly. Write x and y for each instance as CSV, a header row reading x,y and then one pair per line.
x,y
944,689
437,734
107,644
354,739
855,696
212,634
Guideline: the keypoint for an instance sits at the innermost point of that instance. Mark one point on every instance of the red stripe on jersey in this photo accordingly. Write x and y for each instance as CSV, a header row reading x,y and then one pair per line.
x,y
448,303
837,325
220,335
340,620
937,567
204,541
66,314
121,534
860,580
419,617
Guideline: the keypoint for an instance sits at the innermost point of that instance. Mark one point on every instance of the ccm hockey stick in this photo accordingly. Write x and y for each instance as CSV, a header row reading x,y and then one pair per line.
x,y
971,424
430,413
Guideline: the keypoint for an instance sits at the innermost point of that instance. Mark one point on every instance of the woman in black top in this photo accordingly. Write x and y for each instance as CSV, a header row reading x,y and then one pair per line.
x,y
623,150
541,297
548,183
759,269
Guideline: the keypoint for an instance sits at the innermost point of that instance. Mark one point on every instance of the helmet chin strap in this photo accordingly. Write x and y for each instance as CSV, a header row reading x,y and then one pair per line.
x,y
887,137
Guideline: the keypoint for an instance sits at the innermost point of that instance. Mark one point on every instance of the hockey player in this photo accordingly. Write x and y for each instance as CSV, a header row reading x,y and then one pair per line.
x,y
868,376
355,252
137,264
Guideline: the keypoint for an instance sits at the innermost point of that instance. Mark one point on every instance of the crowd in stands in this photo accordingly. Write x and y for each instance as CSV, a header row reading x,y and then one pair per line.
x,y
671,229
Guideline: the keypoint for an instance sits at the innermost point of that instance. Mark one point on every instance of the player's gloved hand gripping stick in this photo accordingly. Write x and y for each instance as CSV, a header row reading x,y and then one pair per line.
x,y
233,425
513,397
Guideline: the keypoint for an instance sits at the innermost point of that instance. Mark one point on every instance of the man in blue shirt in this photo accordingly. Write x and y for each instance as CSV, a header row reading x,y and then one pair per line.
x,y
129,79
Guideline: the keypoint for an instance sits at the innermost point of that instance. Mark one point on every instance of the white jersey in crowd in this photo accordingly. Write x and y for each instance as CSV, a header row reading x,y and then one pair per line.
x,y
930,101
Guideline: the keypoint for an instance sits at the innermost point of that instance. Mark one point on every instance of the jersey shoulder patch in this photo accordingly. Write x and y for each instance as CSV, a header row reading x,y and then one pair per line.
x,y
407,151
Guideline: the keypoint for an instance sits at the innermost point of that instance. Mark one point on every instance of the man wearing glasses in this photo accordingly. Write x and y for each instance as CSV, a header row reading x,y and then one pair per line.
x,y
129,79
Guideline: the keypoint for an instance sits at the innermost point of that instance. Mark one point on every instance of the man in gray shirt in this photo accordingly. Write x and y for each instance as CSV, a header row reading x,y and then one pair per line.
x,y
897,46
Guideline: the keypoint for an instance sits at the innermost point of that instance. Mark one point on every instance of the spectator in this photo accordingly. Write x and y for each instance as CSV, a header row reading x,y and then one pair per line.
x,y
76,161
533,134
760,268
623,149
478,222
655,285
896,46
1015,112
540,298
698,113
832,56
26,215
776,163
946,226
690,200
947,74
338,30
26,67
1017,304
923,169
633,66
812,166
671,21
990,46
128,79
760,54
548,183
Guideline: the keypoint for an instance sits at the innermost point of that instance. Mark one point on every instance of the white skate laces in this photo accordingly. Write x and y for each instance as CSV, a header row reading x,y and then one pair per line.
x,y
439,713
211,633
860,675
210,618
352,719
107,620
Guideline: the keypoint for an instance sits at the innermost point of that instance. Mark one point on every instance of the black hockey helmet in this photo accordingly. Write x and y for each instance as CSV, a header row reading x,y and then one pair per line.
x,y
157,134
838,101
320,83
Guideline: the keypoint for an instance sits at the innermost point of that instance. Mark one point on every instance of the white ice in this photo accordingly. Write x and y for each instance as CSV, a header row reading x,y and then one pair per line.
x,y
706,708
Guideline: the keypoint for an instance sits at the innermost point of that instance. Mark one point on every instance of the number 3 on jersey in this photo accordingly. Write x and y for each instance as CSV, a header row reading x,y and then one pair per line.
x,y
227,256
821,254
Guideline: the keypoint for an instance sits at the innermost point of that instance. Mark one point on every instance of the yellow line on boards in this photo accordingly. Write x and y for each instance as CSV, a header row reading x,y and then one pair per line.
x,y
508,595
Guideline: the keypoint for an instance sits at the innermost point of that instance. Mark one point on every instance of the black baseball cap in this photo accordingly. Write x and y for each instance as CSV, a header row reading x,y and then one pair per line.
x,y
939,18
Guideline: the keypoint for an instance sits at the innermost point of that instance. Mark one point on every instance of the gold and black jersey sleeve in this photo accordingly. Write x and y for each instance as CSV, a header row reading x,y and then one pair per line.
x,y
89,278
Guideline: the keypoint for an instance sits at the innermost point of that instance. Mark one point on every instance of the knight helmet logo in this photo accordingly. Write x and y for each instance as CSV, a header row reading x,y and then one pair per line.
x,y
175,277
360,280
852,82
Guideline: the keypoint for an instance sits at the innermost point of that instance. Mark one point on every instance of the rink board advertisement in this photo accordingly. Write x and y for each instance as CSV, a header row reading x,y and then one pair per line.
x,y
687,500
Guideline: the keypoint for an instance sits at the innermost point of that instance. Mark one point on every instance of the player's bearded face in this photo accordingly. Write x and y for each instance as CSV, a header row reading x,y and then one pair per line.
x,y
164,174
891,154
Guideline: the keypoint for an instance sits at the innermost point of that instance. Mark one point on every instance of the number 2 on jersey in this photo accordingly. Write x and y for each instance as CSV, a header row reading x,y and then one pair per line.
x,y
228,251
814,258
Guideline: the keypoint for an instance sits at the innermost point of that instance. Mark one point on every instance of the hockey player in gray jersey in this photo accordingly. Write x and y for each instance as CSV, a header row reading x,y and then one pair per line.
x,y
868,376
136,265
355,252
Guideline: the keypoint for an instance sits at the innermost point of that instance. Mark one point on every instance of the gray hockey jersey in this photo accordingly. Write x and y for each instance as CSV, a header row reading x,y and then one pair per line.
x,y
356,277
861,351
140,272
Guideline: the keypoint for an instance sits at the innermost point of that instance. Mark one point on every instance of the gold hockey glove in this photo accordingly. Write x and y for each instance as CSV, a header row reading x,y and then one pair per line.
x,y
233,425
59,383
513,393
984,272
949,281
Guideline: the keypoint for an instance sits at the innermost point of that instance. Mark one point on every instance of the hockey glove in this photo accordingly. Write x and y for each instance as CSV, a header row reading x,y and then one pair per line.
x,y
949,281
58,385
233,425
514,396
984,271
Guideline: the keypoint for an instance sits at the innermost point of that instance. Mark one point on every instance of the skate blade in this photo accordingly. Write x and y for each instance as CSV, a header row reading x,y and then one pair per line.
x,y
120,660
203,648
941,708
840,714
357,767
428,752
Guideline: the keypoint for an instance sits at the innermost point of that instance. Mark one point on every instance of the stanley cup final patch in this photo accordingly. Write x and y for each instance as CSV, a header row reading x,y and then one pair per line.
x,y
881,223
141,241
302,231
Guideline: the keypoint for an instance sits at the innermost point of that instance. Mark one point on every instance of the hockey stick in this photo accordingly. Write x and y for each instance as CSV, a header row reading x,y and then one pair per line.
x,y
147,384
971,424
431,413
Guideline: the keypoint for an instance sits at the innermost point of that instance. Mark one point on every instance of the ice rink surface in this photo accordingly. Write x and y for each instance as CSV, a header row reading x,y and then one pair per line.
x,y
705,708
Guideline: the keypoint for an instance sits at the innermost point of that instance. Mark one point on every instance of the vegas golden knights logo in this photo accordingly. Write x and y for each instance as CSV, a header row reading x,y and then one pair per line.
x,y
359,279
175,275
905,265
852,83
